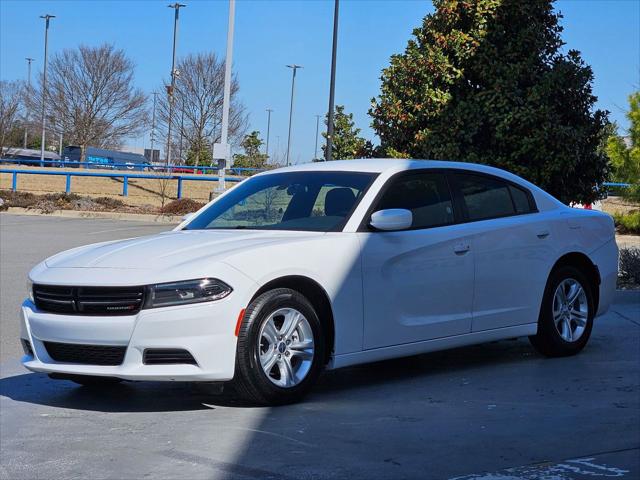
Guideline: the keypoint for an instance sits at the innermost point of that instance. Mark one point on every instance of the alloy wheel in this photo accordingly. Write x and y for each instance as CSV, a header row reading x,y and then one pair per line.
x,y
570,310
286,347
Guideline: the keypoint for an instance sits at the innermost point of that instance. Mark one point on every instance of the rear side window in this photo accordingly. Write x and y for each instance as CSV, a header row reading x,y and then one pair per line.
x,y
520,200
485,197
425,194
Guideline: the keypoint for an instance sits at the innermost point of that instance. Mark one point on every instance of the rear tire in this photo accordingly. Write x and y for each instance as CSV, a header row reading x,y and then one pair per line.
x,y
566,314
281,349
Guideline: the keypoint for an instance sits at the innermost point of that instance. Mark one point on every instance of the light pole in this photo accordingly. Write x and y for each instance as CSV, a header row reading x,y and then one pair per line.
x,y
332,85
46,17
269,110
226,100
176,6
293,67
26,126
315,154
153,125
181,132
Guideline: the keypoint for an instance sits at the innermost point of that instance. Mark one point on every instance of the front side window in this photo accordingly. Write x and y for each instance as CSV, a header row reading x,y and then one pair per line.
x,y
425,194
485,197
309,201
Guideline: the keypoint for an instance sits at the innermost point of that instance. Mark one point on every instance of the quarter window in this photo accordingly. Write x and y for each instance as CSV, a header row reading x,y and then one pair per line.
x,y
425,194
520,200
485,197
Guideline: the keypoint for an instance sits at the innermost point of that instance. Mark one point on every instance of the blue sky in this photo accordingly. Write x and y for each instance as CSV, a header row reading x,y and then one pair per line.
x,y
271,34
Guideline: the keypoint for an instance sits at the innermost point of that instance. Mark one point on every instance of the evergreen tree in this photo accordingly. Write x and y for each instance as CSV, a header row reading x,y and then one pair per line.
x,y
251,158
486,81
624,153
347,143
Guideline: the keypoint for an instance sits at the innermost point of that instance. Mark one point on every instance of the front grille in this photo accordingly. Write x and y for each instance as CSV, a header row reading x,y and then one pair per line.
x,y
167,356
89,300
86,354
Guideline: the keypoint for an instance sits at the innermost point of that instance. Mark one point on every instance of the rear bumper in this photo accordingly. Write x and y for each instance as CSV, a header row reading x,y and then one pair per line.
x,y
606,259
205,330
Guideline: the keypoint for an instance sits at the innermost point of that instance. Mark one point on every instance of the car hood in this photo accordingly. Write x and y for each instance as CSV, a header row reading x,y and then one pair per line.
x,y
172,249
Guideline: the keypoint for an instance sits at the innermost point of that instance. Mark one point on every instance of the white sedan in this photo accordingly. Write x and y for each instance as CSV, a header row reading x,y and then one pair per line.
x,y
322,266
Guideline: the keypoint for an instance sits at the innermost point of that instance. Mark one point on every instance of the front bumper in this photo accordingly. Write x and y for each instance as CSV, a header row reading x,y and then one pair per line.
x,y
205,330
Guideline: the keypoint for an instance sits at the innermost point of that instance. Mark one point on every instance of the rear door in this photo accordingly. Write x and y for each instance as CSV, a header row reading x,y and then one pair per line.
x,y
417,283
511,246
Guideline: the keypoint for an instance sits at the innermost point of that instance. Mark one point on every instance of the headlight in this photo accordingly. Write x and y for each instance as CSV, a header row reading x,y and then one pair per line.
x,y
30,289
188,291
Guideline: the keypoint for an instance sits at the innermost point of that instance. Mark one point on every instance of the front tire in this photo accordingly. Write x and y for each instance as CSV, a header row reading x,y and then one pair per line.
x,y
566,315
281,348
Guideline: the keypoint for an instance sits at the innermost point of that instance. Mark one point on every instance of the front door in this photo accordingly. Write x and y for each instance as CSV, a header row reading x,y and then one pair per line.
x,y
417,283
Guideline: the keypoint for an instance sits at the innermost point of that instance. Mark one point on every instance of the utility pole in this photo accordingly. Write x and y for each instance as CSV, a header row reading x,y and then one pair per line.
x,y
315,154
46,18
332,86
293,67
153,125
26,126
181,132
170,91
269,110
225,153
60,147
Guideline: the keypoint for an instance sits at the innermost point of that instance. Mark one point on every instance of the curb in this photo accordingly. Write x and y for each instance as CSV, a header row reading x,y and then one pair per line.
x,y
140,217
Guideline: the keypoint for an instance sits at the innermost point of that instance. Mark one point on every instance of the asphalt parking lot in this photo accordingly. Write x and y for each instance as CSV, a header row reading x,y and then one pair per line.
x,y
497,411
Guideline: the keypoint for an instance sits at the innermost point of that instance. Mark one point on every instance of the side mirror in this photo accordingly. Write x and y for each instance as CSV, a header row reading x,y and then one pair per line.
x,y
391,219
188,216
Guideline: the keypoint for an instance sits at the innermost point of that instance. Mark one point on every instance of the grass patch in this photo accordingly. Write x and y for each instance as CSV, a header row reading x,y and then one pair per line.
x,y
628,223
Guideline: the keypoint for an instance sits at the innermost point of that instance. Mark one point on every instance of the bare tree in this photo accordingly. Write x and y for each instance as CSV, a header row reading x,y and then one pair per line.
x,y
199,93
91,97
10,105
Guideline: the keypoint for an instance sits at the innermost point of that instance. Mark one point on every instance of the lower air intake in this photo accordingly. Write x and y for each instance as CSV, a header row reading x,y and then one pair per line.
x,y
86,354
167,356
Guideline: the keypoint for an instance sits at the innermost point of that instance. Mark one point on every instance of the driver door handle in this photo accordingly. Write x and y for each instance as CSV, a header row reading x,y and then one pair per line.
x,y
461,248
542,234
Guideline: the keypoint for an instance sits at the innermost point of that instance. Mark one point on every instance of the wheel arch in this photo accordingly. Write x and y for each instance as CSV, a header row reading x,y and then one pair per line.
x,y
583,263
316,294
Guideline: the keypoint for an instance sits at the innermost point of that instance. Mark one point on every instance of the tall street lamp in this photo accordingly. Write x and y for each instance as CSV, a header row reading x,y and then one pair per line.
x,y
315,154
269,110
170,90
153,126
46,17
26,125
293,67
332,86
225,152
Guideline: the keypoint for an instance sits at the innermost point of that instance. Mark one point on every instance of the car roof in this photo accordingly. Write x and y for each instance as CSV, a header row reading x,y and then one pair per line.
x,y
394,165
380,165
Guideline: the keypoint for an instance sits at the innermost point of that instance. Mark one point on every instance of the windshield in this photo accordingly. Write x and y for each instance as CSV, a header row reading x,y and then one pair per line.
x,y
315,201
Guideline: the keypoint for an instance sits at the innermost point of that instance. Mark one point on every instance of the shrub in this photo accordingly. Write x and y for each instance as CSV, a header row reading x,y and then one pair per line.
x,y
181,207
629,267
628,223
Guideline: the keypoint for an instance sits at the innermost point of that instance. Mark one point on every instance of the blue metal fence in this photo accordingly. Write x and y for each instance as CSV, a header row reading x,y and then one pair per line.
x,y
127,166
124,175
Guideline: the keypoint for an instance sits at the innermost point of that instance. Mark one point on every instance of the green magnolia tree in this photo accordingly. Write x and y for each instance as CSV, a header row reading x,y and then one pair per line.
x,y
199,153
347,142
486,81
251,158
624,153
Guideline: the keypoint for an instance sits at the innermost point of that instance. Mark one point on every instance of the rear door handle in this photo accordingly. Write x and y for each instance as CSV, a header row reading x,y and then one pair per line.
x,y
542,234
460,248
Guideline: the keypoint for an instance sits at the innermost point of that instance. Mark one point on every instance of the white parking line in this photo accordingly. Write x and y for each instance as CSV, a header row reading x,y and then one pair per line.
x,y
568,470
